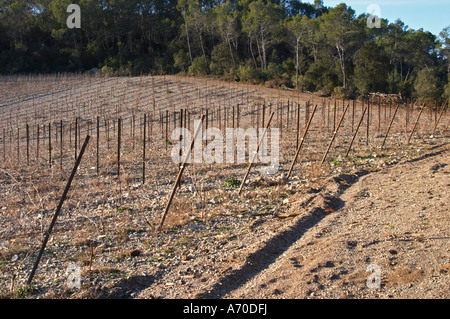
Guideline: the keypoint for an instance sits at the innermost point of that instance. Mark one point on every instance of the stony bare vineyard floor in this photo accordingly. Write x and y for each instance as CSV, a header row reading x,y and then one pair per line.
x,y
313,235
306,238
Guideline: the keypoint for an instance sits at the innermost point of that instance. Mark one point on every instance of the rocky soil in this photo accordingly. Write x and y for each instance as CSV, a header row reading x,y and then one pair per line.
x,y
303,238
377,215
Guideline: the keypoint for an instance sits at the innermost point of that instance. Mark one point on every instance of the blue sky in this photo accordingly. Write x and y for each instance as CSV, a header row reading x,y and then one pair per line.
x,y
431,15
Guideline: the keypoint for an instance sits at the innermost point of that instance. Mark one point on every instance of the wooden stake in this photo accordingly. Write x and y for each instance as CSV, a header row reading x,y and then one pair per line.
x,y
58,209
389,127
143,148
50,144
167,127
18,145
439,118
379,113
37,144
256,153
415,124
299,147
76,137
98,145
334,134
356,132
353,115
180,173
119,134
28,144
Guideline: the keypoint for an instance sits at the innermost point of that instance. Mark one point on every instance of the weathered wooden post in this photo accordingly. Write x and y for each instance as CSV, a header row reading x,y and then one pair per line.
x,y
180,173
356,132
119,134
439,118
143,148
58,209
301,141
415,124
334,134
256,153
390,124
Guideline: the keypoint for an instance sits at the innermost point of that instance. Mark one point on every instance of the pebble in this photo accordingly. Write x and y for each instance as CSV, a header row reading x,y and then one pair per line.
x,y
135,253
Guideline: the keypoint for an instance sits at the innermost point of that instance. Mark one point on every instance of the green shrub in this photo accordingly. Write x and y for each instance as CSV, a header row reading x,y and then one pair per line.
x,y
446,94
343,93
247,73
181,60
198,66
427,85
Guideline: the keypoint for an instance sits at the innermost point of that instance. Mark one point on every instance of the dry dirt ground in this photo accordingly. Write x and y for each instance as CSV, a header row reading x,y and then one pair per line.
x,y
394,218
312,236
391,216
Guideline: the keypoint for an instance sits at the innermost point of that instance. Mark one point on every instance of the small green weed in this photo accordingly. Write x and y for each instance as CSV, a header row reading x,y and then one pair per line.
x,y
231,182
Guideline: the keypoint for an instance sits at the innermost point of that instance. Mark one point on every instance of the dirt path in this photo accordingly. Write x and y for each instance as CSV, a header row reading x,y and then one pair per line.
x,y
395,220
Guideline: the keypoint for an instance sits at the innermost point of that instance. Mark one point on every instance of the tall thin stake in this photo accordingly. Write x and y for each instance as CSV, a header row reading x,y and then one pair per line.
x,y
37,144
334,134
415,124
301,141
439,118
18,145
98,144
167,128
356,131
180,173
390,124
61,144
143,148
28,144
76,139
256,153
119,133
58,209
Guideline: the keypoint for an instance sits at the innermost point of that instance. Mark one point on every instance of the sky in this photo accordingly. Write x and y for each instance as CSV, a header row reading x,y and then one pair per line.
x,y
431,15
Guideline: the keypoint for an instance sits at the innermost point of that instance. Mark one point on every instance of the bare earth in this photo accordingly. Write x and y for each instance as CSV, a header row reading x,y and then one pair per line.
x,y
319,243
397,218
317,235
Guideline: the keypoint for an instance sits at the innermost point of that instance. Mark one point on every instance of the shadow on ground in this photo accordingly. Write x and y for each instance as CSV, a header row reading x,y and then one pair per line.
x,y
328,197
276,246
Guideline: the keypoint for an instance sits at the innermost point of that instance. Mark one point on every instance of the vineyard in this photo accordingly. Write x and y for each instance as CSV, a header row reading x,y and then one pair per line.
x,y
113,211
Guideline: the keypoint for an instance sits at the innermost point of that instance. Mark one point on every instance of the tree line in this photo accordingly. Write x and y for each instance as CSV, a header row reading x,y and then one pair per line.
x,y
290,44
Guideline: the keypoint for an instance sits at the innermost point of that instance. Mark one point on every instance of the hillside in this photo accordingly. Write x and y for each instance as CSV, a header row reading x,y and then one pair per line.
x,y
395,217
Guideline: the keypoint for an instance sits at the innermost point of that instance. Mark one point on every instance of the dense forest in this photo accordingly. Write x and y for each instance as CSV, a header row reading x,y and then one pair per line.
x,y
278,43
